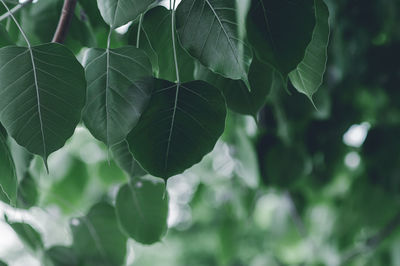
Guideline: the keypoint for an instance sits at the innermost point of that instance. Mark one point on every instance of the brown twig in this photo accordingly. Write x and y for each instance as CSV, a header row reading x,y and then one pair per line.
x,y
65,20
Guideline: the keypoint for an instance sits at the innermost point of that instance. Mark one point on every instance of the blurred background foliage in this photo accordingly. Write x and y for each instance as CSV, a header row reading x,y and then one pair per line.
x,y
297,186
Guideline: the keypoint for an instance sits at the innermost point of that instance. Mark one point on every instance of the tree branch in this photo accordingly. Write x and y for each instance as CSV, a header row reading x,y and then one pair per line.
x,y
65,20
15,9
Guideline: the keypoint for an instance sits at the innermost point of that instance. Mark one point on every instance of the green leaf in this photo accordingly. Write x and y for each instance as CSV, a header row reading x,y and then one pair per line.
x,y
308,75
118,91
156,41
29,236
4,38
62,256
28,194
42,93
280,30
238,97
8,177
97,237
215,42
2,263
142,209
125,159
119,12
181,124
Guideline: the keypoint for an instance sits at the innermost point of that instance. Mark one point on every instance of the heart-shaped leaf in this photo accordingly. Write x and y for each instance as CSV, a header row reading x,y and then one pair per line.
x,y
181,124
280,30
142,209
118,91
308,75
119,12
8,176
215,42
42,93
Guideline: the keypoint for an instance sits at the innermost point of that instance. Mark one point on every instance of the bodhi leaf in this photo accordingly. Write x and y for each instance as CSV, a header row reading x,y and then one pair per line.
x,y
8,176
125,159
215,41
119,12
280,30
181,124
97,237
156,41
238,97
308,75
142,209
118,91
42,93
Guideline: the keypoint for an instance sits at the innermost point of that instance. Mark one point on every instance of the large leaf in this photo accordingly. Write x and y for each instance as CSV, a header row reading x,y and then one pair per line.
x,y
125,159
118,90
119,12
181,124
142,209
208,30
238,97
97,237
156,40
280,31
42,93
308,75
8,176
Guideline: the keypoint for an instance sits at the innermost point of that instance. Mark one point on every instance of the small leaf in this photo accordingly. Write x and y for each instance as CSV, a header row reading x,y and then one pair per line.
x,y
29,236
208,30
8,177
119,12
125,159
42,93
238,97
308,75
142,209
181,124
118,91
97,237
280,31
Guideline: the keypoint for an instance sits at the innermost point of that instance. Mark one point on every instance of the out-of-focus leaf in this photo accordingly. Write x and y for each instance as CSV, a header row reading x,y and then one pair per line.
x,y
308,75
215,42
62,256
142,209
97,237
22,158
181,124
125,159
118,83
8,176
109,173
2,263
28,194
42,95
280,31
29,236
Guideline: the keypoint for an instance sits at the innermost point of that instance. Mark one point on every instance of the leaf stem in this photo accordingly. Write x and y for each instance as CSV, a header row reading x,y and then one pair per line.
x,y
139,29
174,41
14,10
16,23
65,20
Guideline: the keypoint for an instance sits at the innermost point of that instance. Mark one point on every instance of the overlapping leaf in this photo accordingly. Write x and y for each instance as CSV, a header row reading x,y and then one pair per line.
x,y
42,93
8,176
125,159
118,91
280,30
181,124
208,30
308,75
142,209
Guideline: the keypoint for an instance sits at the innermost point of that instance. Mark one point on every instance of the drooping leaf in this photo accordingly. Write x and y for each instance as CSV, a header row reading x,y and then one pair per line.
x,y
308,75
156,40
28,194
119,12
4,38
8,176
142,209
29,236
208,30
42,93
97,237
280,30
125,159
238,97
62,256
181,124
118,91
